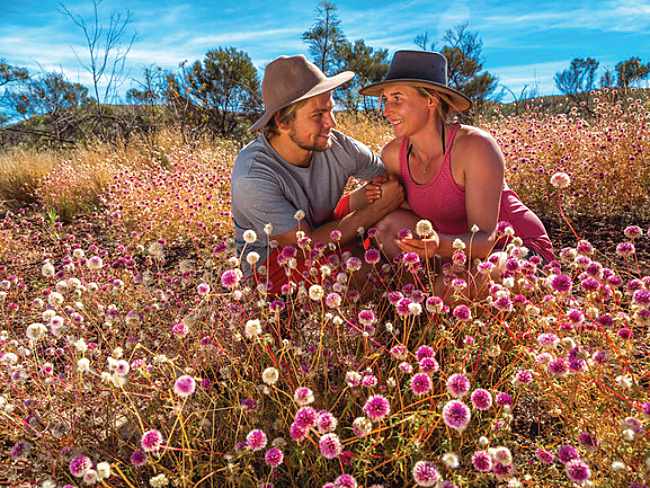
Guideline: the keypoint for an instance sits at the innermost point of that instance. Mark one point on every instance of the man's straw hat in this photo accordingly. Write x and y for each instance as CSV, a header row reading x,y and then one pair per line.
x,y
289,79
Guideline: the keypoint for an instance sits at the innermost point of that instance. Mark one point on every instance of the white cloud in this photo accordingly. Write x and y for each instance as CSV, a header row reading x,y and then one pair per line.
x,y
610,16
396,25
392,42
163,18
71,74
456,13
239,36
24,51
164,55
537,76
171,34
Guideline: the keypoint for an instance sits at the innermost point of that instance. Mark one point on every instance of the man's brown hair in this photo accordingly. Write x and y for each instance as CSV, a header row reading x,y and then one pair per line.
x,y
284,115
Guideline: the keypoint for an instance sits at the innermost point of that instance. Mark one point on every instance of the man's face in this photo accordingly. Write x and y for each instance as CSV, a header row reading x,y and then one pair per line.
x,y
312,126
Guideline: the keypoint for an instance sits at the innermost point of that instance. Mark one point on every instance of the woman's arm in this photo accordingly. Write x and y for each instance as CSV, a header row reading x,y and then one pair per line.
x,y
483,170
483,177
390,157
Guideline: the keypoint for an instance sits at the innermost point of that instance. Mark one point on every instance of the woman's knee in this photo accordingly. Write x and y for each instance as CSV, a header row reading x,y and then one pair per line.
x,y
384,226
392,223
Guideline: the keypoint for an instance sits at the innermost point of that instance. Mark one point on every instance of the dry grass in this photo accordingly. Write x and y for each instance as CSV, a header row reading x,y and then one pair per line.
x,y
606,157
71,182
21,171
372,131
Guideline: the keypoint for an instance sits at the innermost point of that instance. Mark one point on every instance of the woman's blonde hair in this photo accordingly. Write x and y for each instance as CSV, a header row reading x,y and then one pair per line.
x,y
443,108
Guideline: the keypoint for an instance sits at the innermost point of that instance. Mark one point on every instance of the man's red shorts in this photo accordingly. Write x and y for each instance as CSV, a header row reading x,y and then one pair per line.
x,y
277,273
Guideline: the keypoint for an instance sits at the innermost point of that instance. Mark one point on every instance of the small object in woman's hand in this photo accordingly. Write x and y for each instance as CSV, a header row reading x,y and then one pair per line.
x,y
425,248
424,228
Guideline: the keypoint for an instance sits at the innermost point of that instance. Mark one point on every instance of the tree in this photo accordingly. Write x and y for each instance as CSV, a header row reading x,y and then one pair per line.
x,y
518,99
325,37
463,50
149,108
422,41
370,66
9,75
49,94
48,104
152,88
608,78
108,47
631,72
578,79
176,97
225,84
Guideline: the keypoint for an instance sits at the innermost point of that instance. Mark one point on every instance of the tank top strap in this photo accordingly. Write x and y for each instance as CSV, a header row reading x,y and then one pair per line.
x,y
403,159
453,130
446,164
445,171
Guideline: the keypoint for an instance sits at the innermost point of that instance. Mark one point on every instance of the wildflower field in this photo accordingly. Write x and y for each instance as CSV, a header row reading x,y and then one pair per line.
x,y
132,352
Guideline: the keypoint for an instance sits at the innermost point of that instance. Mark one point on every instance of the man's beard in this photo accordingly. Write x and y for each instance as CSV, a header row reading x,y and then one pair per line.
x,y
307,146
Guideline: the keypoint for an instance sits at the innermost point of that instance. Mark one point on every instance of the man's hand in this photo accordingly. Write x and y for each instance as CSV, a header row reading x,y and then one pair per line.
x,y
425,248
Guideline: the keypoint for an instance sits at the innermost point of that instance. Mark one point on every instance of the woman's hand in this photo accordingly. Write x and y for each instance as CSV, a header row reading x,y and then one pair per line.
x,y
373,188
425,248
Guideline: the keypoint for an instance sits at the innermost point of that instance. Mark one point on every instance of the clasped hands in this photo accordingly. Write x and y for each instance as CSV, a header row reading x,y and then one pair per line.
x,y
386,188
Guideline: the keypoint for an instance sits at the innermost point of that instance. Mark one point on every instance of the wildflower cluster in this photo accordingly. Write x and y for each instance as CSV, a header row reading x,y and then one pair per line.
x,y
135,351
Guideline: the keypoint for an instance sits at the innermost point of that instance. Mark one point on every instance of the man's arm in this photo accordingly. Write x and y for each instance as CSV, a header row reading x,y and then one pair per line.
x,y
371,191
391,199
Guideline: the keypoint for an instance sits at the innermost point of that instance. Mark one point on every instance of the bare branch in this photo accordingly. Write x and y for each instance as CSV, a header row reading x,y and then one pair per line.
x,y
107,50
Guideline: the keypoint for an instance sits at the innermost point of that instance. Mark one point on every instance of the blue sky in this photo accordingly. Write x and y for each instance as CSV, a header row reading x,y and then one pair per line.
x,y
524,42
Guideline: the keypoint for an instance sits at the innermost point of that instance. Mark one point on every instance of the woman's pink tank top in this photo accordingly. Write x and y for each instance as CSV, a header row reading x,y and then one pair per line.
x,y
442,201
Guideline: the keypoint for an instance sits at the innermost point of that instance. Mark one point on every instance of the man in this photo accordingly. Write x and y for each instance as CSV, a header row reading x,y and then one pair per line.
x,y
301,164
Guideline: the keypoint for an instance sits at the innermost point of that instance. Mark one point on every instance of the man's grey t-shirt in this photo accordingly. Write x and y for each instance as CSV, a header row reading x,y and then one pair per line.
x,y
267,189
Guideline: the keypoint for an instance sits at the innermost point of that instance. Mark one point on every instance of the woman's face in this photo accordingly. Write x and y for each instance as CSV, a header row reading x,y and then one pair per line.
x,y
406,109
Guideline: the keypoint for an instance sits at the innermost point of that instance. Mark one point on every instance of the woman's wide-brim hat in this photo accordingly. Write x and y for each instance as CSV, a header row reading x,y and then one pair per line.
x,y
421,69
290,79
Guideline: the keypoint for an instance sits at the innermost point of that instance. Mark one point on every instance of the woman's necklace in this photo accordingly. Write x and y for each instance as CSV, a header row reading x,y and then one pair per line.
x,y
444,150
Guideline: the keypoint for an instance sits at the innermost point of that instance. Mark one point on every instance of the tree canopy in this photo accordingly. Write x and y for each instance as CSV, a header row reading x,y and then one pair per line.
x,y
370,66
631,72
325,37
579,78
463,50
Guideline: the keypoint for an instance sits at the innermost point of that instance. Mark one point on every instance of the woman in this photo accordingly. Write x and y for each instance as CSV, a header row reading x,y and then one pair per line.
x,y
453,174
